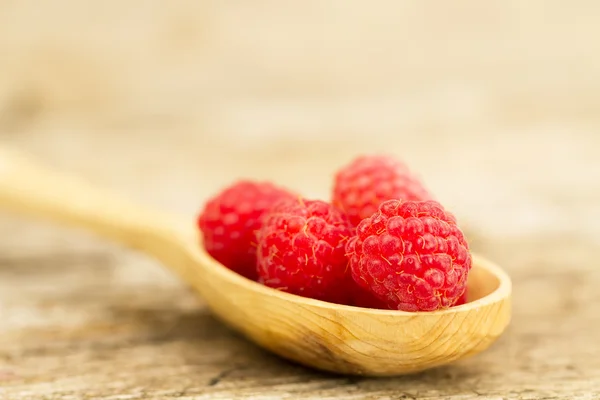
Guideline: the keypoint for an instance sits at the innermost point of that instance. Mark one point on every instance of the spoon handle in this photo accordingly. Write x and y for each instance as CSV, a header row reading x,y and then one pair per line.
x,y
30,189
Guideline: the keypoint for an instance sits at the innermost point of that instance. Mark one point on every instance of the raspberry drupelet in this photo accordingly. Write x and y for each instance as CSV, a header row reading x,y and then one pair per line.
x,y
229,221
364,183
301,250
411,255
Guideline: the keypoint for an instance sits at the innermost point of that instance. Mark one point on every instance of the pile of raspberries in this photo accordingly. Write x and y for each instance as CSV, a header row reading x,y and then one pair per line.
x,y
382,242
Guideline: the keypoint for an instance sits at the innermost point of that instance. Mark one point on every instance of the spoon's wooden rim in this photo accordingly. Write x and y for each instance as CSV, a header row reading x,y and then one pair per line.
x,y
502,291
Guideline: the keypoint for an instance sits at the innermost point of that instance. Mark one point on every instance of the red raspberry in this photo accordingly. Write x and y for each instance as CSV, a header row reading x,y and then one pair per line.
x,y
301,250
363,184
229,222
366,299
462,299
411,255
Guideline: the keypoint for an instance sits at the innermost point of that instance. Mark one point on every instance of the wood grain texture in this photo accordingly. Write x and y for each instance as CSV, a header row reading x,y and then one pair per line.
x,y
510,95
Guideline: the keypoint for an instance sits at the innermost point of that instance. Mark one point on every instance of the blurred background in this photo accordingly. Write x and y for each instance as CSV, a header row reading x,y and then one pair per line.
x,y
495,104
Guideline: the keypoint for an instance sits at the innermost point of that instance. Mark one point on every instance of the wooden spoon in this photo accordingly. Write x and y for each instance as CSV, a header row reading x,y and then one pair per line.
x,y
326,336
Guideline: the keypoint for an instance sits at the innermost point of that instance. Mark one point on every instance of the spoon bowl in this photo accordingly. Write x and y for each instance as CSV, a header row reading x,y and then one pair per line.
x,y
318,334
354,340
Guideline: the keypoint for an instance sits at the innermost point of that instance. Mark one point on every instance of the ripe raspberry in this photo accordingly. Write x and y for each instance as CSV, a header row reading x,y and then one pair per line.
x,y
301,250
411,255
230,219
363,184
366,299
462,299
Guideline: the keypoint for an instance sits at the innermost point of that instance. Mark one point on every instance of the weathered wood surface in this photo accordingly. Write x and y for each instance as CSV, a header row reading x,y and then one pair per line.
x,y
218,89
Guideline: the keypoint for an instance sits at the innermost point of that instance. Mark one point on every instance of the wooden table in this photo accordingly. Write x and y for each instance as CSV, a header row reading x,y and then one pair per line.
x,y
500,118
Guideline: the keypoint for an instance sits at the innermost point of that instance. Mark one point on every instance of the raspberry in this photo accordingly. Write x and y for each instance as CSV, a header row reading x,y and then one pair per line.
x,y
410,255
229,222
301,250
462,299
366,299
363,184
